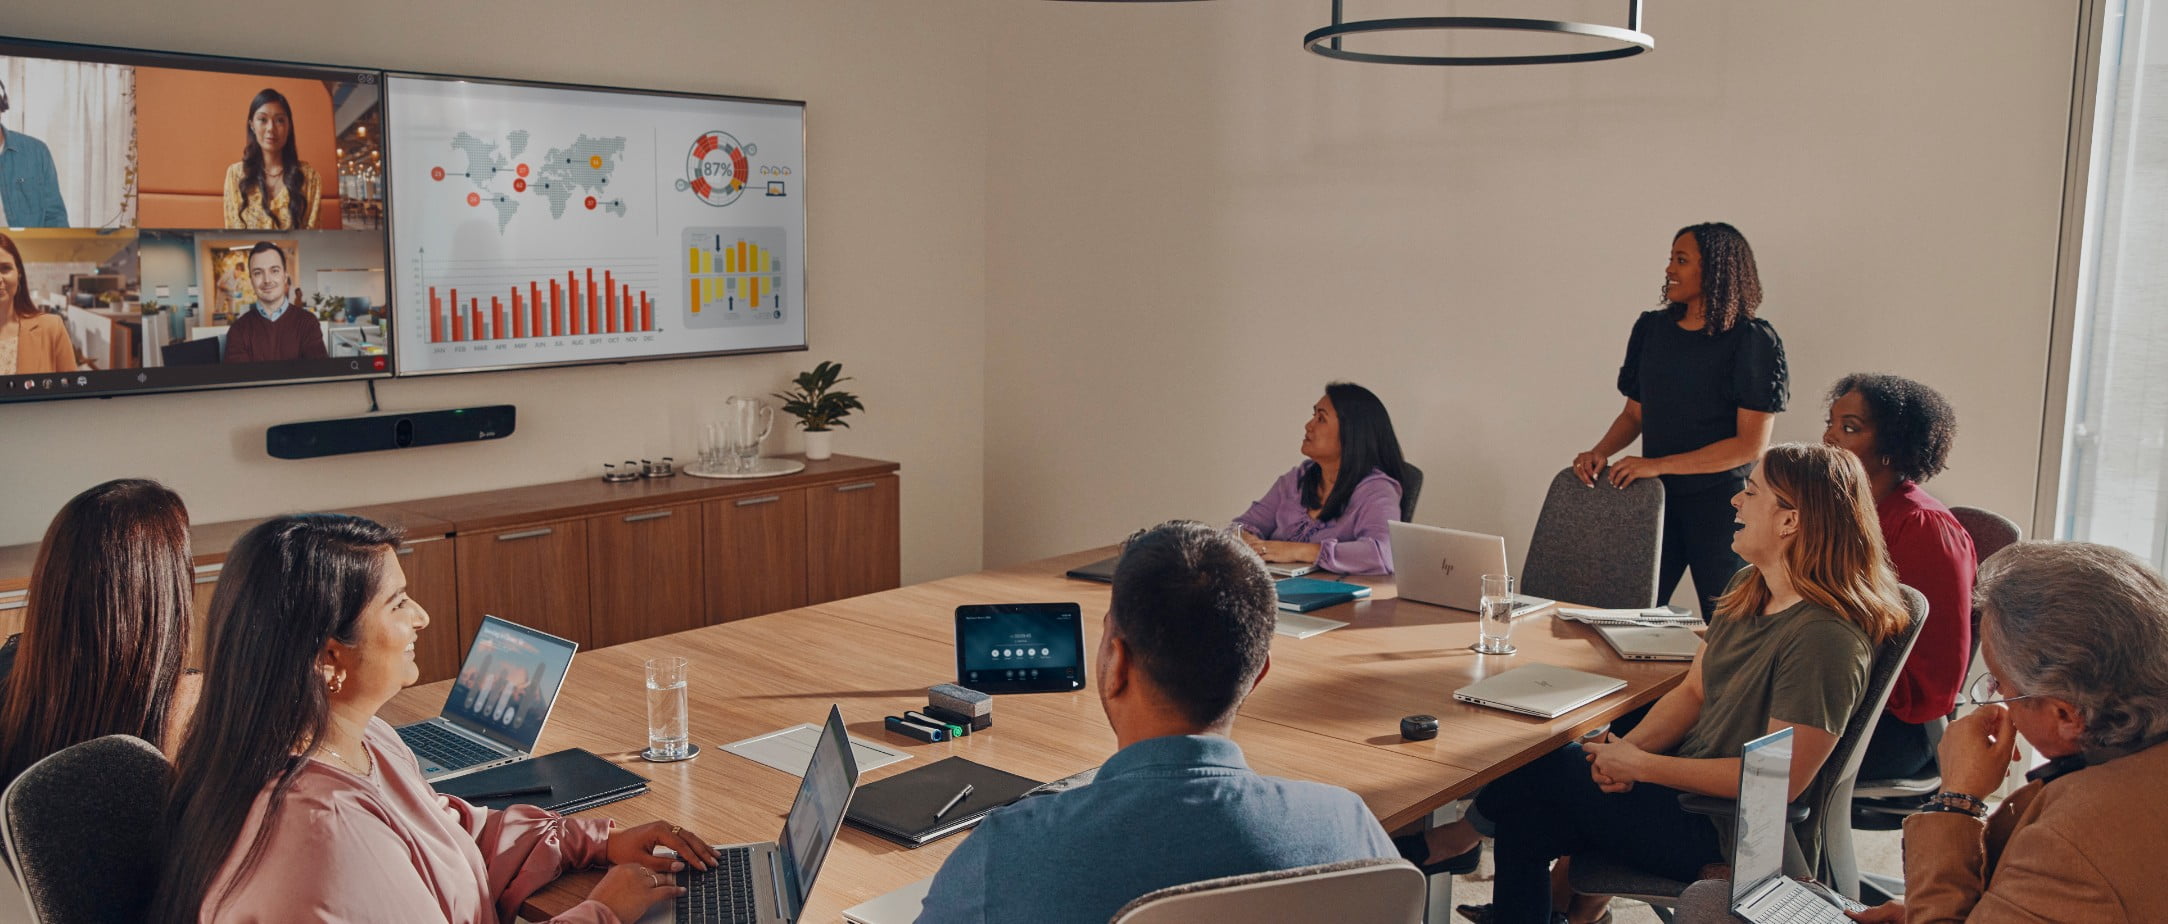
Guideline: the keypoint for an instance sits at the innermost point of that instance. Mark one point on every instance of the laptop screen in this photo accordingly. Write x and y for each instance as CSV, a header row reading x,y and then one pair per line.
x,y
1765,773
505,689
817,814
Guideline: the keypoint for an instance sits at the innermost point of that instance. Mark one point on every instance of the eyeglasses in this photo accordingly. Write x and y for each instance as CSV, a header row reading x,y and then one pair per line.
x,y
1987,691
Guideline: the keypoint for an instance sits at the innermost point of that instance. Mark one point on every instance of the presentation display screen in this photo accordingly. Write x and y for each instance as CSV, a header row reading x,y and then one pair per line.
x,y
174,221
539,225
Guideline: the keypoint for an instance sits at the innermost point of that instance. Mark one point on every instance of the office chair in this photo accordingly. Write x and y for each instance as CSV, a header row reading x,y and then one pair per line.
x,y
1883,805
1819,843
1706,902
202,351
1411,487
1597,546
1368,891
116,784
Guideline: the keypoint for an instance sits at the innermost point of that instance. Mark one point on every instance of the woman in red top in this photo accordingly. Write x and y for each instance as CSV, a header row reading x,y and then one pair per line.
x,y
1901,431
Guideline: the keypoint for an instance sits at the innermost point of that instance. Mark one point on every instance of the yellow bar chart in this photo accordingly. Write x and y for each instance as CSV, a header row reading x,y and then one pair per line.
x,y
734,275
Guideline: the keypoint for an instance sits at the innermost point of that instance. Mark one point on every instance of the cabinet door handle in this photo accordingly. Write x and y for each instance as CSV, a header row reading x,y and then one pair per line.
x,y
650,515
208,574
861,486
757,501
405,550
15,599
525,534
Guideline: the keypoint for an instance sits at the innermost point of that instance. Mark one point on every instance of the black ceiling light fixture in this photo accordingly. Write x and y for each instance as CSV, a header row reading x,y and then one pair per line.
x,y
1630,40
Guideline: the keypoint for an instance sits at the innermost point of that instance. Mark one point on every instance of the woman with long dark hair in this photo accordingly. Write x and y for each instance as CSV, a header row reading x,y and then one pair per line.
x,y
1902,431
105,628
292,801
1332,508
1704,380
1790,647
270,188
31,341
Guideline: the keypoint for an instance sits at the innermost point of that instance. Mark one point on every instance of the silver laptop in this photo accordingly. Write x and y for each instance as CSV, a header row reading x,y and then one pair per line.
x,y
1760,892
1651,643
1540,690
769,882
1446,566
499,704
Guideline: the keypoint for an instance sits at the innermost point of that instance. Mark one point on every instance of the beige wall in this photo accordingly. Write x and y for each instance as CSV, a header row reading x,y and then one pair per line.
x,y
896,96
1192,225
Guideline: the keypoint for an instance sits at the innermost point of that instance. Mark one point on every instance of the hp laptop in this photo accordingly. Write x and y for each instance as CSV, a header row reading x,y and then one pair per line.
x,y
1446,567
768,883
498,705
1760,892
1651,643
1540,690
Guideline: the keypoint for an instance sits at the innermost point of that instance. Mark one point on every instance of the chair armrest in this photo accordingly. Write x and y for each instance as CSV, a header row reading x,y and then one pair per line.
x,y
1726,808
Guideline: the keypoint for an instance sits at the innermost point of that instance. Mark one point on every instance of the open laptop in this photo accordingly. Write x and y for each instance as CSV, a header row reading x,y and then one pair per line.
x,y
769,882
1540,690
1651,643
1446,567
1760,892
499,704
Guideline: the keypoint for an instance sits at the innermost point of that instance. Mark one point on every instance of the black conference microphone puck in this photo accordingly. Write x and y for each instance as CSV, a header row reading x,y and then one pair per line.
x,y
1419,727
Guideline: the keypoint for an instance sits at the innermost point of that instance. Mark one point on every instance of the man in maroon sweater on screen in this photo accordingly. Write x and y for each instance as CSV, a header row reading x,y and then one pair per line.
x,y
276,328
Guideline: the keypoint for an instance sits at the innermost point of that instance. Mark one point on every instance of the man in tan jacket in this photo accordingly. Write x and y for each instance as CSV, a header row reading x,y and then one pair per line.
x,y
2075,639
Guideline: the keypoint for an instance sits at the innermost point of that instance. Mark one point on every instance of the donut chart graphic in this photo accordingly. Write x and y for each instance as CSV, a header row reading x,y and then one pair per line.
x,y
717,167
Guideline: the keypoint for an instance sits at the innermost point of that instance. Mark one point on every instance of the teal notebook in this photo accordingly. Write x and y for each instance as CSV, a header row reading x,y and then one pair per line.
x,y
1301,595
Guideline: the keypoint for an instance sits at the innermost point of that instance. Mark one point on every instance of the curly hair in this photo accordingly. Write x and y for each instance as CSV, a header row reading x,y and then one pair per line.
x,y
1729,280
1914,426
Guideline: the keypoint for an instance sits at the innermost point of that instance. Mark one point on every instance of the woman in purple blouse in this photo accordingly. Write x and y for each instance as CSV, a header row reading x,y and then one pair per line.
x,y
1331,510
298,805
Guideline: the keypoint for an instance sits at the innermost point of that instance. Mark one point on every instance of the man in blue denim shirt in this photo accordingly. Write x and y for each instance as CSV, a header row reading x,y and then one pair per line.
x,y
1187,638
29,184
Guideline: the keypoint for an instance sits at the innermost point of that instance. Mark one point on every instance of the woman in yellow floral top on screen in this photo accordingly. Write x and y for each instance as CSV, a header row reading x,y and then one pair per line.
x,y
263,189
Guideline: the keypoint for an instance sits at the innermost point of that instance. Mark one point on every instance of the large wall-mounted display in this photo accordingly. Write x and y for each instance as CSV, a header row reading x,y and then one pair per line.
x,y
543,225
172,222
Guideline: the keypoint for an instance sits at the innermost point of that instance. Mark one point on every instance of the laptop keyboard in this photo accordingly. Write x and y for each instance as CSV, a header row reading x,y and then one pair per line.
x,y
1795,905
723,895
444,748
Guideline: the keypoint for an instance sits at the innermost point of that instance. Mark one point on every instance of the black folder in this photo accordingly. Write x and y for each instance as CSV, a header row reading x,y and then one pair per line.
x,y
577,781
901,808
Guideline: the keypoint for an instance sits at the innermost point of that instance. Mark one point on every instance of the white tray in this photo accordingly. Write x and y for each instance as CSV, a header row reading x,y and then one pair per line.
x,y
763,467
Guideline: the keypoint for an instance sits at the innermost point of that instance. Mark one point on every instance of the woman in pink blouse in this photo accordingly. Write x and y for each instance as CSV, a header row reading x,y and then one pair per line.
x,y
1331,510
294,802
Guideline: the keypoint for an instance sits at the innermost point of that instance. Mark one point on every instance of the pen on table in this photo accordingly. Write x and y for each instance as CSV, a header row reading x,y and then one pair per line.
x,y
960,794
508,793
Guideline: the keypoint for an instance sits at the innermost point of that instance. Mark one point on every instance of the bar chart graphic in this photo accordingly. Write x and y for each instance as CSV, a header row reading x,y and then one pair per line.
x,y
579,304
735,276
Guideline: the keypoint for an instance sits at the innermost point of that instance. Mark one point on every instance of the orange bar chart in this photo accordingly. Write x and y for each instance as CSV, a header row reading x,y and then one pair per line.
x,y
608,306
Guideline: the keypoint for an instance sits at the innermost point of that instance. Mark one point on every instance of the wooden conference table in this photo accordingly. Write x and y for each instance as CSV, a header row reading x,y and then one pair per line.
x,y
1328,710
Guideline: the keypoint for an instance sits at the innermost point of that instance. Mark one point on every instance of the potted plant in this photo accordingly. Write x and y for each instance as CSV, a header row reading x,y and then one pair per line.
x,y
819,407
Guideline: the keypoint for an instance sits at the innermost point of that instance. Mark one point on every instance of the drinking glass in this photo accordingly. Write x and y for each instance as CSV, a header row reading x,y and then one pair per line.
x,y
667,737
1495,620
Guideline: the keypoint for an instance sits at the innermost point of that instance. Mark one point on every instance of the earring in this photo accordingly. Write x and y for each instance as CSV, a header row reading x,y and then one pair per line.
x,y
335,683
1885,461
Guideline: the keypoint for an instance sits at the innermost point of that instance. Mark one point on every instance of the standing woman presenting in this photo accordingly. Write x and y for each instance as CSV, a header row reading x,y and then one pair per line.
x,y
1704,380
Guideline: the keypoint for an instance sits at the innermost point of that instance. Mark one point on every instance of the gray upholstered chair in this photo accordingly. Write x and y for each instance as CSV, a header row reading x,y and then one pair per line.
x,y
51,819
1411,487
1597,546
1706,902
1990,530
1829,822
1371,891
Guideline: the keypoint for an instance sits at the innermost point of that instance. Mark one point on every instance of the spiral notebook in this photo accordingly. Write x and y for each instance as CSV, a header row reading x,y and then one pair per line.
x,y
902,807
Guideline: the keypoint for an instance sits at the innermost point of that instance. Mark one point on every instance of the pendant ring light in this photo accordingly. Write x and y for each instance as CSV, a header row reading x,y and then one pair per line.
x,y
1631,39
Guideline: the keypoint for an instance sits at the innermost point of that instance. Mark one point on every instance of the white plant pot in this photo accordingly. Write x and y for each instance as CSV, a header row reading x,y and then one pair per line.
x,y
819,444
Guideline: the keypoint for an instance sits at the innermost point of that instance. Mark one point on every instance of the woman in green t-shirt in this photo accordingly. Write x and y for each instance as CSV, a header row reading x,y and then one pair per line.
x,y
1790,647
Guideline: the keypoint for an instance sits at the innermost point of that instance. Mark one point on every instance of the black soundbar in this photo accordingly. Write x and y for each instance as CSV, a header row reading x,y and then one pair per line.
x,y
339,436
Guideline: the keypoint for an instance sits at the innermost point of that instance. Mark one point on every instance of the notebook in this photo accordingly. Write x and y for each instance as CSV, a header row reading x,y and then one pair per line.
x,y
1301,595
902,807
1103,570
1540,690
576,780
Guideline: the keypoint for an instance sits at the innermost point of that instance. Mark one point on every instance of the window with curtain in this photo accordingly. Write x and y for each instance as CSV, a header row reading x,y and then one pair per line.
x,y
2115,470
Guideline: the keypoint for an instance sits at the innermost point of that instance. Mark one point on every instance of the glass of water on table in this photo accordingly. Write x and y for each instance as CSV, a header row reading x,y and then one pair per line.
x,y
1495,620
668,735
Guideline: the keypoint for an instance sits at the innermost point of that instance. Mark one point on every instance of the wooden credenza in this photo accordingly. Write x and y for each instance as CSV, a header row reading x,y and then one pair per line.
x,y
602,564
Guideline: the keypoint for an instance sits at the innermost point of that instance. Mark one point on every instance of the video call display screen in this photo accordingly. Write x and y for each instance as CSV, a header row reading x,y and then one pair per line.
x,y
175,222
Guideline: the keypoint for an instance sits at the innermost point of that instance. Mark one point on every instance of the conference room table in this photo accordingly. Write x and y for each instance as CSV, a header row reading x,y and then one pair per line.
x,y
1328,709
